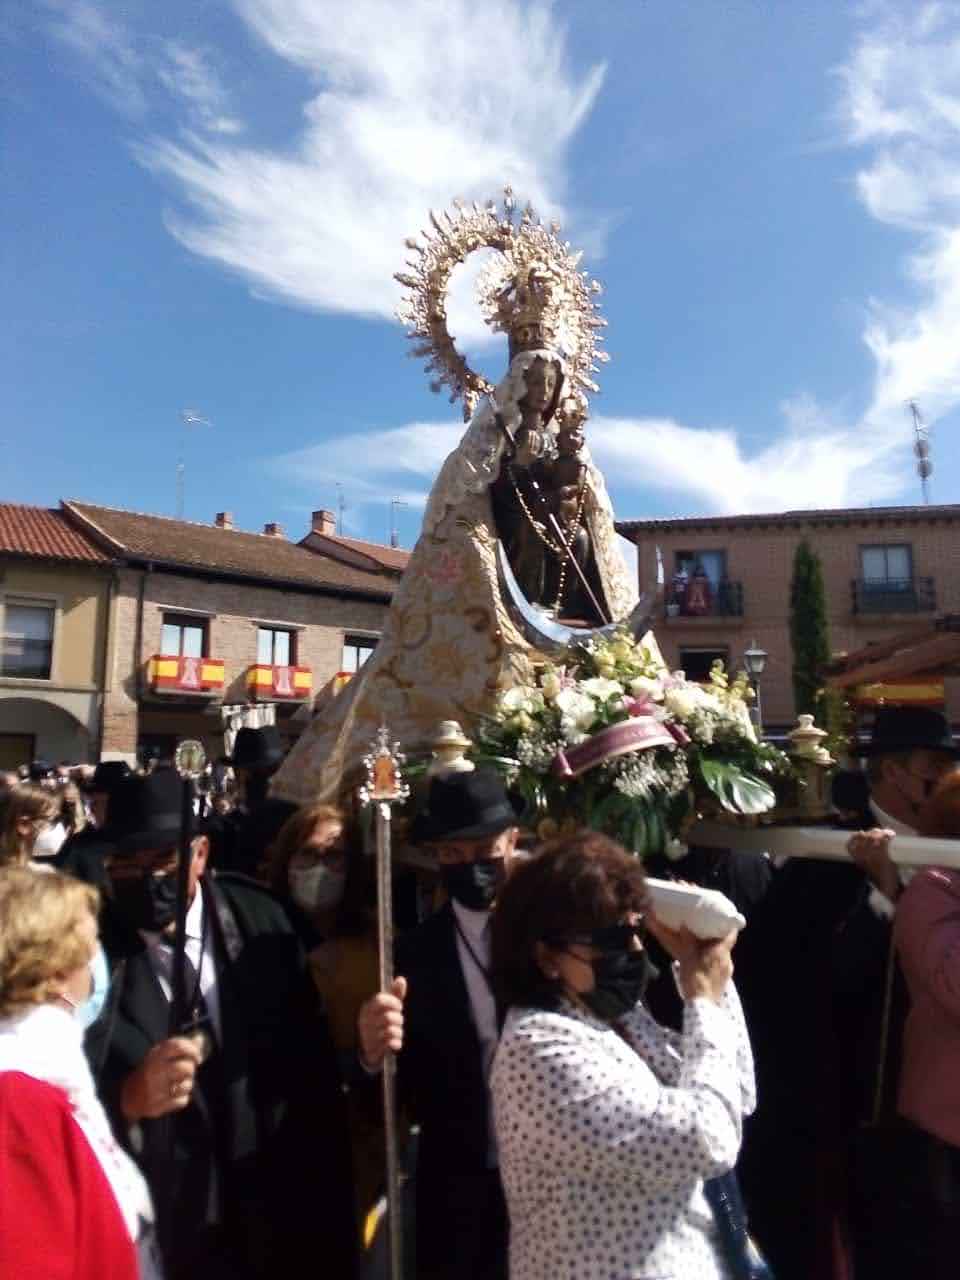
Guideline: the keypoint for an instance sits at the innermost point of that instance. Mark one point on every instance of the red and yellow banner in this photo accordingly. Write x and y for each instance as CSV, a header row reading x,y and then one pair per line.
x,y
919,691
265,681
172,674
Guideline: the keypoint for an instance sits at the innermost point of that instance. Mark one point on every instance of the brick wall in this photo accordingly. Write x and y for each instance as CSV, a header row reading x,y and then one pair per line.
x,y
761,558
321,622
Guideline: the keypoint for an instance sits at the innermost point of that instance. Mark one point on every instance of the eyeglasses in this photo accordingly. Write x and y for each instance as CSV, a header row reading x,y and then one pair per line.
x,y
614,937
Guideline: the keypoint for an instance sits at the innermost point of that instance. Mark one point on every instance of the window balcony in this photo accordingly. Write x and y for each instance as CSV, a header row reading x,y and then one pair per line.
x,y
176,674
893,595
725,600
270,683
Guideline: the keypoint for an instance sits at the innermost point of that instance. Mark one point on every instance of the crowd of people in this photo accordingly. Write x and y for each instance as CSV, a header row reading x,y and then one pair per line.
x,y
583,1092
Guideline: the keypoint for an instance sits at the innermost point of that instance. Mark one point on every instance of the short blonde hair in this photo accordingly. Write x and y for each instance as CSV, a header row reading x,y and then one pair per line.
x,y
41,936
37,804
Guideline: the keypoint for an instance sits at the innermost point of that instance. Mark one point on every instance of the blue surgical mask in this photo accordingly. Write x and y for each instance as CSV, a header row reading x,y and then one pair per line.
x,y
90,1010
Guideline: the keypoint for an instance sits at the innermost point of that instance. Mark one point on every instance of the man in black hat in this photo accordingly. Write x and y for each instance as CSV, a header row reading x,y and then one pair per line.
x,y
820,944
82,854
237,1121
246,833
442,1018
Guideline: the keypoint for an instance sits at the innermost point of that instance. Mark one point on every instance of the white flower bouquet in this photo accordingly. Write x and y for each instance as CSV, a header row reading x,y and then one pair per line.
x,y
610,738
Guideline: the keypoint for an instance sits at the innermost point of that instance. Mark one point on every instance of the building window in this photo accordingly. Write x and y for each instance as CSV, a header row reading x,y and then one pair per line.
x,y
712,563
276,648
356,650
696,663
183,637
889,566
27,650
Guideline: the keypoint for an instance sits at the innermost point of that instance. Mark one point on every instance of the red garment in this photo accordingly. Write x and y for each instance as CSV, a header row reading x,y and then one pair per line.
x,y
59,1219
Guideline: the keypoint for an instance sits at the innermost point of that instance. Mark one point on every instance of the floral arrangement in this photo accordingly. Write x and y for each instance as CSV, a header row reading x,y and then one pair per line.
x,y
612,739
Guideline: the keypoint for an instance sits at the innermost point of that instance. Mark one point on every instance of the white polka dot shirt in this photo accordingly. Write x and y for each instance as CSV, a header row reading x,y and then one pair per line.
x,y
604,1150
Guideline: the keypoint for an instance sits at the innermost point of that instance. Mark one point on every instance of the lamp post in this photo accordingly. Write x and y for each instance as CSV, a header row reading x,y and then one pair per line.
x,y
755,661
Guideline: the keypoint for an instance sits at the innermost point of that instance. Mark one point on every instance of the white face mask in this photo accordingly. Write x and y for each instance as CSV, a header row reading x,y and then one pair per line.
x,y
316,888
48,842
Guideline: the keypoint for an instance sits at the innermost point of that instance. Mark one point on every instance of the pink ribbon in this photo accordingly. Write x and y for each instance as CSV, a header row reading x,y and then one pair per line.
x,y
636,734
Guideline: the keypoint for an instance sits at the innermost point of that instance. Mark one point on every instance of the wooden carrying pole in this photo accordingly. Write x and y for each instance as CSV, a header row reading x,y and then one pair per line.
x,y
384,789
820,842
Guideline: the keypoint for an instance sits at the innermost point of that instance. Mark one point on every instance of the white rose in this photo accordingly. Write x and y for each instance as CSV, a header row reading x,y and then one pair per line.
x,y
577,709
550,685
600,688
645,687
682,702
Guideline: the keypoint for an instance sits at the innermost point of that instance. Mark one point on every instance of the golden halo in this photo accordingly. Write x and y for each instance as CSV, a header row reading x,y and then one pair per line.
x,y
533,281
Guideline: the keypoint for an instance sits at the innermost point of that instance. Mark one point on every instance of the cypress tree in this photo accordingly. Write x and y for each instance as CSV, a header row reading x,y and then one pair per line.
x,y
808,627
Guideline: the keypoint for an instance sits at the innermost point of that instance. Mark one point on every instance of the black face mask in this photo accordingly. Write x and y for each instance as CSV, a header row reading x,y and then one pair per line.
x,y
147,902
474,885
620,981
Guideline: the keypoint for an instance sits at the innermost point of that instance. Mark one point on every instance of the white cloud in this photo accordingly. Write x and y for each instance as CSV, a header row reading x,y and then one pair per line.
x,y
411,106
902,96
187,74
104,44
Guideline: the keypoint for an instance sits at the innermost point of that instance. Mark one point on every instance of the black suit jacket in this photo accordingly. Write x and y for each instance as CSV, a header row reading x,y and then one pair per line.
x,y
267,1109
460,1213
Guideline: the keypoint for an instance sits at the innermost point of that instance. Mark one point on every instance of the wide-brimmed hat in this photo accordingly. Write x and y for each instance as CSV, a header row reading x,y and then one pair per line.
x,y
910,729
145,812
107,776
464,806
257,748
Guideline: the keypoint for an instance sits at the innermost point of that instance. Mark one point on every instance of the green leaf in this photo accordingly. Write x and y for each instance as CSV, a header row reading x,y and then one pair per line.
x,y
737,791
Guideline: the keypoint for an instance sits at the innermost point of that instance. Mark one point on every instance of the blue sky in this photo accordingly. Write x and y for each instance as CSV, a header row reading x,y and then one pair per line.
x,y
206,202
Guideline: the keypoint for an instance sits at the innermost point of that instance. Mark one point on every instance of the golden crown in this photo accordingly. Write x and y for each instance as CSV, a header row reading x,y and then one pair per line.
x,y
532,290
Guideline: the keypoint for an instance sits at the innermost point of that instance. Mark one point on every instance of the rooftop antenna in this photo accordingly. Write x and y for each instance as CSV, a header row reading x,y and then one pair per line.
x,y
189,418
341,508
921,447
395,504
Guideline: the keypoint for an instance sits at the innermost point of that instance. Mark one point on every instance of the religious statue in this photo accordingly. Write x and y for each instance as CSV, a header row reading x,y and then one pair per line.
x,y
520,482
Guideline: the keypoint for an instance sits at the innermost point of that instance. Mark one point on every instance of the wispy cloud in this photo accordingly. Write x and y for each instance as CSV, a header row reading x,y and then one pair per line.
x,y
409,107
128,68
105,46
902,99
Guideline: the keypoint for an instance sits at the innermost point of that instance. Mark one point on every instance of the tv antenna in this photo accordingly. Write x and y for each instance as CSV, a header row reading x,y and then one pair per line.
x,y
341,508
921,448
189,418
395,504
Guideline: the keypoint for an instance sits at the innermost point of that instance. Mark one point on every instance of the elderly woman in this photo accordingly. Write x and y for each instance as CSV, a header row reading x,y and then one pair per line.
x,y
74,1205
608,1123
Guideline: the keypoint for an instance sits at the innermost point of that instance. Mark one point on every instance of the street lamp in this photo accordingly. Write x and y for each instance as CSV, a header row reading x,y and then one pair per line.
x,y
755,661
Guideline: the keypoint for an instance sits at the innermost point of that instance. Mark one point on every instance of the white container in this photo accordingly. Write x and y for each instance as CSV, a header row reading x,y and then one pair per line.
x,y
707,913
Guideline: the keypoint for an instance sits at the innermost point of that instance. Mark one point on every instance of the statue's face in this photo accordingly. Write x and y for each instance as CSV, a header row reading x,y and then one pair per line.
x,y
541,383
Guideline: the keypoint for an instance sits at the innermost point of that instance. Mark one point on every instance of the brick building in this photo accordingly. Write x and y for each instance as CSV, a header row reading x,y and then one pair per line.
x,y
728,584
203,627
55,588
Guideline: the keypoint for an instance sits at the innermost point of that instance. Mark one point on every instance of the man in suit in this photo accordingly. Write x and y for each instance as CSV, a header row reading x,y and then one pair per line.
x,y
441,1020
82,854
236,1118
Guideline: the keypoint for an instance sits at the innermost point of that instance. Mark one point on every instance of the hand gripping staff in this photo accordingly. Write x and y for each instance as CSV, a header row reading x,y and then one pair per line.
x,y
382,789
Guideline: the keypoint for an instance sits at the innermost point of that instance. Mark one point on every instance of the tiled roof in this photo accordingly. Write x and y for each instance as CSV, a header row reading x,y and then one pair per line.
x,y
43,534
391,558
828,515
182,543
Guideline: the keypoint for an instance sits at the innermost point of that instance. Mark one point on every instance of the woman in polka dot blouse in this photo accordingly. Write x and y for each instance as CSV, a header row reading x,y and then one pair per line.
x,y
607,1122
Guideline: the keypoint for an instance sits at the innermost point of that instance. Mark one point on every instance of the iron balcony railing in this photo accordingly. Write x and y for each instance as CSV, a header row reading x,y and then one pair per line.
x,y
893,595
725,600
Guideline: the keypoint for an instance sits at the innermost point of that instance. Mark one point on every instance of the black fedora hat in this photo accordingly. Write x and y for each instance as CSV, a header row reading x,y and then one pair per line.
x,y
145,812
257,748
464,806
910,729
107,776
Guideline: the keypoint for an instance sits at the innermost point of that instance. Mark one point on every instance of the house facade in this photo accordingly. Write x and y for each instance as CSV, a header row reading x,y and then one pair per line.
x,y
200,629
727,586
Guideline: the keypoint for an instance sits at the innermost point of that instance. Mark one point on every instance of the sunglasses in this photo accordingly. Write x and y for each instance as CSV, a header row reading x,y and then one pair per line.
x,y
614,937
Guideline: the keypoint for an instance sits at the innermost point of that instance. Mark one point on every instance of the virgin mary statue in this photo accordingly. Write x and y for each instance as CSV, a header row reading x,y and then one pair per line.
x,y
454,638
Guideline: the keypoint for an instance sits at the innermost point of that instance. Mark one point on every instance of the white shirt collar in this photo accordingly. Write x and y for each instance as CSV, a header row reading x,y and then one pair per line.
x,y
884,819
473,923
